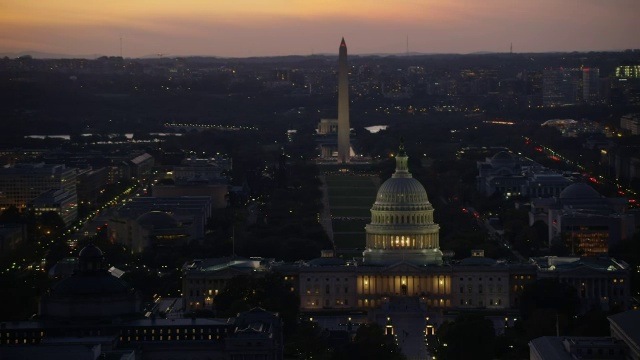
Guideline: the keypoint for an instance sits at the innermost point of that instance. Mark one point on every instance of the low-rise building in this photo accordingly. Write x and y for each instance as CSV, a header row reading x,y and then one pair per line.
x,y
621,344
155,221
61,202
511,175
92,314
588,223
21,183
599,281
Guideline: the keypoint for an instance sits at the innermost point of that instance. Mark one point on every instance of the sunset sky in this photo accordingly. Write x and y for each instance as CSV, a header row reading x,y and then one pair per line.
x,y
241,28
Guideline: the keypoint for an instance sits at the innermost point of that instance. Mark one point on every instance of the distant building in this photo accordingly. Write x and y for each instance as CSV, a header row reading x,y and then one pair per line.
x,y
199,177
327,126
94,315
625,85
92,293
588,223
591,85
91,182
151,229
628,71
141,165
22,183
327,138
212,170
217,192
599,281
631,122
167,221
127,166
545,184
59,201
560,86
12,156
502,173
119,164
511,175
573,128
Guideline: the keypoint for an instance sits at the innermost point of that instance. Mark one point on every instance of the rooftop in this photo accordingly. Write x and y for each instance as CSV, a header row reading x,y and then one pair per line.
x,y
629,323
555,263
217,264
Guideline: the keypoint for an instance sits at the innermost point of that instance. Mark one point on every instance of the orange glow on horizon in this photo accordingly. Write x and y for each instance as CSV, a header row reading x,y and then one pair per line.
x,y
257,27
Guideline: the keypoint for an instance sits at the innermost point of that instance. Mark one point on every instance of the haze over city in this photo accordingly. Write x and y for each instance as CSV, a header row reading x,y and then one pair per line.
x,y
226,180
285,27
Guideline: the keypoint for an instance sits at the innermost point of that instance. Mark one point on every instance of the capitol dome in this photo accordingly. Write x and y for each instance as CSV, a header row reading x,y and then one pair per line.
x,y
405,191
90,251
502,156
402,227
579,191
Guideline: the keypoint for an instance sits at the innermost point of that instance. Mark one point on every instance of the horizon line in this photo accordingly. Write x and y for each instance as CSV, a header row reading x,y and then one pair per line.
x,y
43,55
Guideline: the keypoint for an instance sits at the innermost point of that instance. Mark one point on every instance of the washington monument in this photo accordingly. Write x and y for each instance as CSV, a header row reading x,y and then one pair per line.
x,y
344,148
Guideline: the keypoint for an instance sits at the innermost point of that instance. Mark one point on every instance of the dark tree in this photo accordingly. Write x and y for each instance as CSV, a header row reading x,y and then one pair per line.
x,y
11,215
548,307
370,343
309,341
470,336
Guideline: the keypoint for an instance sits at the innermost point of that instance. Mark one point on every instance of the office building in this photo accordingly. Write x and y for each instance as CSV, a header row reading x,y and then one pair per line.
x,y
586,222
21,184
560,86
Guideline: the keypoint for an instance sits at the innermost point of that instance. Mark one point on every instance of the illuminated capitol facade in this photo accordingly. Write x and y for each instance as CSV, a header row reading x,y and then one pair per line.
x,y
402,259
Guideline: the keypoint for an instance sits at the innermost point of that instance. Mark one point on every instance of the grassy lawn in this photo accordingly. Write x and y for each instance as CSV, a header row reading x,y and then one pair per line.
x,y
347,180
350,196
352,191
359,201
351,212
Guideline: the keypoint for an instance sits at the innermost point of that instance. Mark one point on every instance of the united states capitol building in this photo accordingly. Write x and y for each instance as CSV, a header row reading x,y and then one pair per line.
x,y
403,264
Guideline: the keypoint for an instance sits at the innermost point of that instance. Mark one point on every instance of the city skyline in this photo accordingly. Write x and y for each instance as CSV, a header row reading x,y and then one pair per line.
x,y
290,27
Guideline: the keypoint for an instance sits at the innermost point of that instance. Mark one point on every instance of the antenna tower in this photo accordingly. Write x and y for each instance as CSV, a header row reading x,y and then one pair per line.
x,y
407,45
